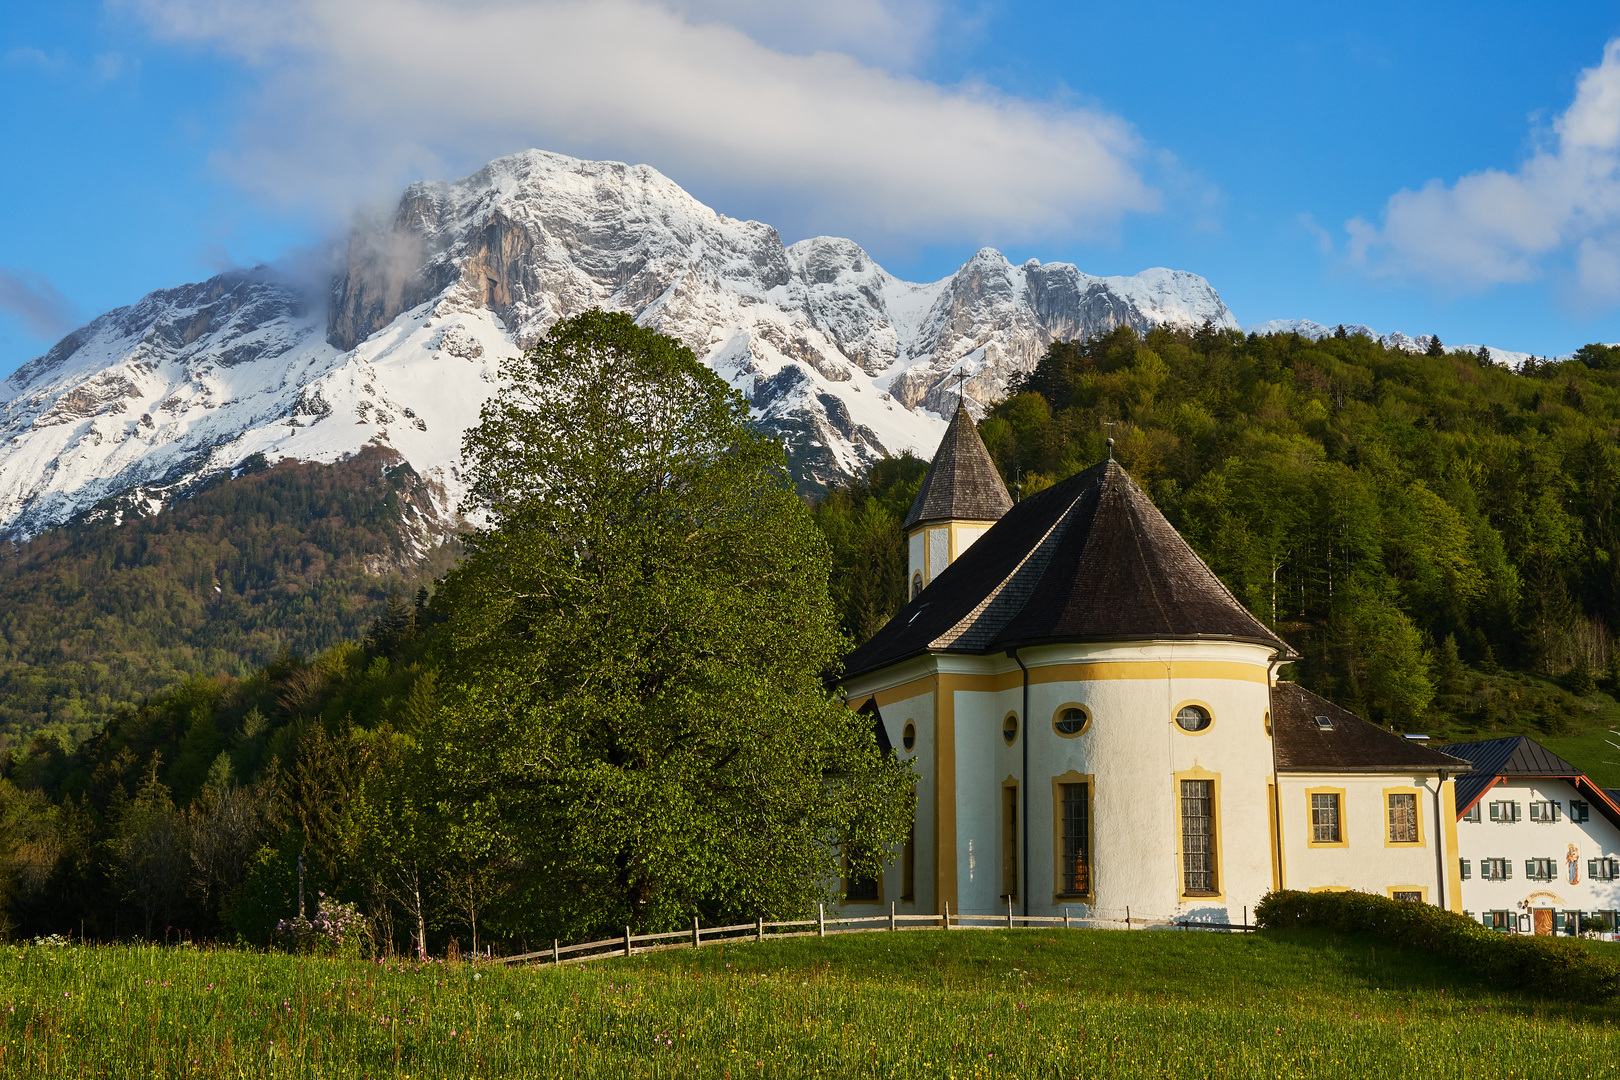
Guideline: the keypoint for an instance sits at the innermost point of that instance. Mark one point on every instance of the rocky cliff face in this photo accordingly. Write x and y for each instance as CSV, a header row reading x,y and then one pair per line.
x,y
843,361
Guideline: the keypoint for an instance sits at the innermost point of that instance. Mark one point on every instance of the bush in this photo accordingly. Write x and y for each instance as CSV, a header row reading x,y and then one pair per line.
x,y
338,929
1547,965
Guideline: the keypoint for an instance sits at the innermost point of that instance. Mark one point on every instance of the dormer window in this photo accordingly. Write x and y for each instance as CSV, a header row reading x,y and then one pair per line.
x,y
1324,723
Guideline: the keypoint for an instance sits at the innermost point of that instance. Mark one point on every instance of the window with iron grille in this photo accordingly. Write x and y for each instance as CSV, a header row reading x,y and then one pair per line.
x,y
1544,810
1403,825
1541,869
1407,896
860,888
1504,811
1495,869
1603,869
1198,837
1325,818
1579,812
1464,865
1472,813
1076,839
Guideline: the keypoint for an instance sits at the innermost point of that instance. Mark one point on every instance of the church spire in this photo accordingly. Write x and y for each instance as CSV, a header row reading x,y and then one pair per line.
x,y
960,498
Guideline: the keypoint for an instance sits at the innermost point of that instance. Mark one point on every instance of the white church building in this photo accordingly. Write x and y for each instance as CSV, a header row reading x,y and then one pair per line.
x,y
1096,723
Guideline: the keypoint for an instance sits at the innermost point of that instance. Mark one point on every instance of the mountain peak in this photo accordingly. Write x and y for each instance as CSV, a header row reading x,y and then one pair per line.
x,y
840,359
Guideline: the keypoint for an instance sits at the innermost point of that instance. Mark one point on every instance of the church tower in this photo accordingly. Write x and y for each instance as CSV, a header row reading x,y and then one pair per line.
x,y
960,498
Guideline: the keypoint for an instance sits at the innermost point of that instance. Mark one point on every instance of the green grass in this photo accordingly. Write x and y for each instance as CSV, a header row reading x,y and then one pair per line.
x,y
925,1004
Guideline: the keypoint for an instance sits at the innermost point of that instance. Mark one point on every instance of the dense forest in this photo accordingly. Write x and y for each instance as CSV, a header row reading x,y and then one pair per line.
x,y
99,616
1436,535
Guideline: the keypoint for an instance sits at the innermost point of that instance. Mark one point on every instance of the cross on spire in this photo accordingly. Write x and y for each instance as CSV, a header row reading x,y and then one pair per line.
x,y
961,377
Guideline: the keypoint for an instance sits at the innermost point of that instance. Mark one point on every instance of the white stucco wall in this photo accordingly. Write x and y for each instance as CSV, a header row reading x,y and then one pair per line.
x,y
914,547
1525,839
1365,862
939,551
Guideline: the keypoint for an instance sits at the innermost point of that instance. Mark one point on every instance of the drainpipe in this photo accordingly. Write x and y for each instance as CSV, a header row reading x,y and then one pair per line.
x,y
1023,785
1440,843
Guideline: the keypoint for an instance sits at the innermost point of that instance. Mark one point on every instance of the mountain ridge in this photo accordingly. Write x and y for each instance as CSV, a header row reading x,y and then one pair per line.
x,y
843,361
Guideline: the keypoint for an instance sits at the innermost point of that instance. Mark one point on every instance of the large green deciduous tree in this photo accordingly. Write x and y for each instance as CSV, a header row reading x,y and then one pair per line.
x,y
635,701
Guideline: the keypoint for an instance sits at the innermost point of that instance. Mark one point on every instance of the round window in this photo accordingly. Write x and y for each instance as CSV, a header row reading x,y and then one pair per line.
x,y
1009,728
1192,718
908,738
1070,721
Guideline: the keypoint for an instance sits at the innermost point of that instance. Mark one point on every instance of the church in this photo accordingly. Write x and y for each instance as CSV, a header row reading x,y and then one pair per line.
x,y
1098,729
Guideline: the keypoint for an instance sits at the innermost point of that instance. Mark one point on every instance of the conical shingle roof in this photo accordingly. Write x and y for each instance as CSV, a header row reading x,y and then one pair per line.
x,y
1089,559
962,483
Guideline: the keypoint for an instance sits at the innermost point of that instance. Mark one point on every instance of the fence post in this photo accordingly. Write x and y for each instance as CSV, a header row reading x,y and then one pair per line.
x,y
1245,916
627,941
696,937
759,928
1127,916
555,955
1065,916
947,914
1009,911
821,920
891,914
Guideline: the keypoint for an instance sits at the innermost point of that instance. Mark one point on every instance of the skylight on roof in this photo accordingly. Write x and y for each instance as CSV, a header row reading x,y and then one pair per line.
x,y
1324,723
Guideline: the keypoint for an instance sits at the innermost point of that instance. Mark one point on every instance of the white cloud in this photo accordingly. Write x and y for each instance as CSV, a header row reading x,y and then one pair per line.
x,y
1560,210
808,102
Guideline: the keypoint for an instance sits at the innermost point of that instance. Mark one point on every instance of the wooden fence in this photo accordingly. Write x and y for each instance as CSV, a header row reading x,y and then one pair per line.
x,y
821,926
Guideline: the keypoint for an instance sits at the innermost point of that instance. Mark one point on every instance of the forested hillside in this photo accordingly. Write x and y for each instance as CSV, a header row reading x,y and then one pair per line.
x,y
1437,536
283,560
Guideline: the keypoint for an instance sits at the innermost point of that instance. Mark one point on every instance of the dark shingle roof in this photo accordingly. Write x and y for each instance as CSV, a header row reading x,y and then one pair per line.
x,y
1515,755
1351,745
1089,559
962,483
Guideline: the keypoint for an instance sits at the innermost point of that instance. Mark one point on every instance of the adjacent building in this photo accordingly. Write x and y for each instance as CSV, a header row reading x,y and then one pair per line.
x,y
1538,843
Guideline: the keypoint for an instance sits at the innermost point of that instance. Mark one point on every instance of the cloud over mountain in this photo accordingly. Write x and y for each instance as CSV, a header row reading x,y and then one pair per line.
x,y
815,103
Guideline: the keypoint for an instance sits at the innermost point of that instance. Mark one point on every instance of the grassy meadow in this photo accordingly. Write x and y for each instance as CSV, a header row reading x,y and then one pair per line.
x,y
917,1004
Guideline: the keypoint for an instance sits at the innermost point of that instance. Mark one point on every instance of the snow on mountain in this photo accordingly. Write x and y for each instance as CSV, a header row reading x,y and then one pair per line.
x,y
1316,332
843,361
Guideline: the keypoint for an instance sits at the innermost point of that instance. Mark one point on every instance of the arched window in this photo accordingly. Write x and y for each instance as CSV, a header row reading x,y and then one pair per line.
x,y
916,585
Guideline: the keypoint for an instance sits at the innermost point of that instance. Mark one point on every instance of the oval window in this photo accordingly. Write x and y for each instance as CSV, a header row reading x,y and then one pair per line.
x,y
916,584
1070,721
1009,728
1192,718
908,738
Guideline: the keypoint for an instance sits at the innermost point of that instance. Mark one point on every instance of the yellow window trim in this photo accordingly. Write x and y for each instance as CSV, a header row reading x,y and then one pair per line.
x,y
1384,809
1057,714
1198,772
1011,784
1310,829
1421,890
1090,780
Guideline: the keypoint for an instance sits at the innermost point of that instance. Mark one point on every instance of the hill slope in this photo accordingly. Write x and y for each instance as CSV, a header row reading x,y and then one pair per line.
x,y
290,558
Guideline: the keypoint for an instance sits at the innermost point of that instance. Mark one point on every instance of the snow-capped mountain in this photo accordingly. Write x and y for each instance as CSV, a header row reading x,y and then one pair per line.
x,y
1316,332
842,360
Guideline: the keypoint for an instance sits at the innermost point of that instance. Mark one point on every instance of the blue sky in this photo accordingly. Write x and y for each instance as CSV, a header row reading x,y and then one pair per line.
x,y
1449,168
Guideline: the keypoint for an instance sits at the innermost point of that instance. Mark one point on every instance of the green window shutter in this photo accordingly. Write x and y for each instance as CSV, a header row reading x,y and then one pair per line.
x,y
1591,868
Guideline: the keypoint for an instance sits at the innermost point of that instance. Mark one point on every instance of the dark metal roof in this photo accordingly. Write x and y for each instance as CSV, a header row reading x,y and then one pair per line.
x,y
1515,755
962,483
1351,744
1088,559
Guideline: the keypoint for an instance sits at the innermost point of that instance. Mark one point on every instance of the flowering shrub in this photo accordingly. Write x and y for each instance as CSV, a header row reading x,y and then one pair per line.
x,y
54,941
1559,968
338,929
